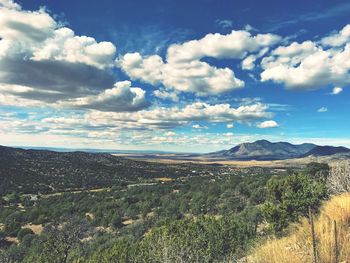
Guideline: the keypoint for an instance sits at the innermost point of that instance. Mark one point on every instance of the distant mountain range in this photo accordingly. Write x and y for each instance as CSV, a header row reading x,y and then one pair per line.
x,y
93,150
259,150
265,150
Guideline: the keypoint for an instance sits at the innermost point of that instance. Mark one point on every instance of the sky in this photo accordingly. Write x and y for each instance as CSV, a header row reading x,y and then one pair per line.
x,y
183,76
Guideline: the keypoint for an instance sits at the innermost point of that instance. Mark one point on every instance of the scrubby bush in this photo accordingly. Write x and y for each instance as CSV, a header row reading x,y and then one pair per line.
x,y
290,197
23,232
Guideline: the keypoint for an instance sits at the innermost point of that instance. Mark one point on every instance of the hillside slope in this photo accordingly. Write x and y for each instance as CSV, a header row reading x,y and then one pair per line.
x,y
327,150
297,247
30,171
264,150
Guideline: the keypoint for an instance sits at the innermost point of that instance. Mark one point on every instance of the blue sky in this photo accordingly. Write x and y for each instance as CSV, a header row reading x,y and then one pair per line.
x,y
191,76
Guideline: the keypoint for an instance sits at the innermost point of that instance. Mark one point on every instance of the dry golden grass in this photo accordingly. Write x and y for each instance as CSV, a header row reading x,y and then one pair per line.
x,y
37,229
297,247
128,222
12,240
90,215
164,179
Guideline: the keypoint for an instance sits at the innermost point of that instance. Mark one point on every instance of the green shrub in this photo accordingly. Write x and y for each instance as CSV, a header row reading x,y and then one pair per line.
x,y
23,232
290,197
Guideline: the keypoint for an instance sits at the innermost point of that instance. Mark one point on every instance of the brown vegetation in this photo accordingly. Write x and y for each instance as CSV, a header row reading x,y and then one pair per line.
x,y
331,241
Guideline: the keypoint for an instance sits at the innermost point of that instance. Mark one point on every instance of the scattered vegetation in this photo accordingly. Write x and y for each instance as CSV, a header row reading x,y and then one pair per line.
x,y
194,213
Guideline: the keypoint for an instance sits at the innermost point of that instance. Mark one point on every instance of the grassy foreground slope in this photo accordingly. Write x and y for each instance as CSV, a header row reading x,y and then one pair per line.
x,y
297,247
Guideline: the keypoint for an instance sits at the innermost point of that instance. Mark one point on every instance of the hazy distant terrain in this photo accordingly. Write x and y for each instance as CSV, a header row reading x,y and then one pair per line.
x,y
259,153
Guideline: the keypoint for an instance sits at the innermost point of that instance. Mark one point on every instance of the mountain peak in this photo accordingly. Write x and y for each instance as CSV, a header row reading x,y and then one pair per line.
x,y
262,142
265,150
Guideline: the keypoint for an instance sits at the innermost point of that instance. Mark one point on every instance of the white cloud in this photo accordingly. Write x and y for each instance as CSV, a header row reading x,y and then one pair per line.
x,y
268,124
64,45
81,131
199,127
9,4
168,118
337,39
183,69
43,63
235,45
337,90
194,76
35,35
249,62
122,97
170,134
308,65
322,109
25,26
200,77
166,95
149,69
108,129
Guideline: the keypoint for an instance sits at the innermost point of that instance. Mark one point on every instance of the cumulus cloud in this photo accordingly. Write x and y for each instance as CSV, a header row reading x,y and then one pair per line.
x,y
149,69
322,109
193,76
24,26
64,45
122,97
337,90
166,95
136,125
268,124
337,39
235,45
9,4
52,80
309,65
183,69
199,127
249,62
42,62
168,118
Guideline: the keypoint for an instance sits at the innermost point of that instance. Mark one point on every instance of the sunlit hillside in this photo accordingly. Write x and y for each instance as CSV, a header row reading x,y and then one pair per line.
x,y
297,247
